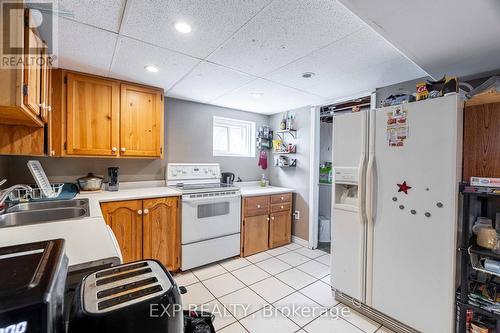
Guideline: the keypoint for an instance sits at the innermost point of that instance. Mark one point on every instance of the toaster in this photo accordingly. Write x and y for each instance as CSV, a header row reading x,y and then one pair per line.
x,y
136,297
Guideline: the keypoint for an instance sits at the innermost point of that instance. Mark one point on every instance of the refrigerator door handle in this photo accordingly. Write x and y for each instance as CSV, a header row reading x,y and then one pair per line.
x,y
370,178
361,188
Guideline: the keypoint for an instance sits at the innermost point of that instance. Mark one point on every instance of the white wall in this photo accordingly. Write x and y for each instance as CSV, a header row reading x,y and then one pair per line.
x,y
296,178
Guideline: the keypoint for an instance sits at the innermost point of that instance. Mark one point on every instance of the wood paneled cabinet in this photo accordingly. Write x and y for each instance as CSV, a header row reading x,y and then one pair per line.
x,y
266,222
146,229
96,116
24,74
481,146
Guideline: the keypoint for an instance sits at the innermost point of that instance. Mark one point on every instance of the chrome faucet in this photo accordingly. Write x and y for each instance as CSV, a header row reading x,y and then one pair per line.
x,y
4,194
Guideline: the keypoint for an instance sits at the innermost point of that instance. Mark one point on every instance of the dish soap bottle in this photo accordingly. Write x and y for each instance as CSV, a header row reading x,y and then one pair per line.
x,y
263,180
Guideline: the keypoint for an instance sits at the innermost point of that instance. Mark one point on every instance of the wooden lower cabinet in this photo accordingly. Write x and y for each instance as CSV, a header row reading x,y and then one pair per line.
x,y
146,229
280,228
255,234
161,232
125,219
265,225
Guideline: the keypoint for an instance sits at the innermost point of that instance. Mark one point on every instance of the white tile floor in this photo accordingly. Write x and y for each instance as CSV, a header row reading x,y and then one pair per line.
x,y
286,289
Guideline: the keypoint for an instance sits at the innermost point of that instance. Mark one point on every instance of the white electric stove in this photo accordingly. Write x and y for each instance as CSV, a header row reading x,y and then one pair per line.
x,y
211,213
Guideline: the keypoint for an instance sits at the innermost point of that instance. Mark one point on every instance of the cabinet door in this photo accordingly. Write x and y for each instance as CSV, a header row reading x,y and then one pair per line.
x,y
33,70
141,121
280,228
161,232
45,87
255,234
93,112
125,219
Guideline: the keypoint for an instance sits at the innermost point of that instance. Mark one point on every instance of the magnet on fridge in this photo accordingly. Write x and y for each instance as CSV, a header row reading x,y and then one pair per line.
x,y
403,187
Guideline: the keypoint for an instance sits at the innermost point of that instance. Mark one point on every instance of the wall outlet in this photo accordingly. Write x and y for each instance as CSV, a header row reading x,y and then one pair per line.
x,y
296,215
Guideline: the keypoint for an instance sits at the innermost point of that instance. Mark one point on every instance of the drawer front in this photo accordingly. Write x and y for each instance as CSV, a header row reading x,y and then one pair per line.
x,y
279,198
255,206
281,207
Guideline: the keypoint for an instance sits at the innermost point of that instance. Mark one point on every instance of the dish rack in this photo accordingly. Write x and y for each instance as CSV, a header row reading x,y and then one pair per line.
x,y
37,193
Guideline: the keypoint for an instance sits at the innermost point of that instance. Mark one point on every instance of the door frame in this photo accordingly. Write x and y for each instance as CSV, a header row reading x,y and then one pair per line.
x,y
314,161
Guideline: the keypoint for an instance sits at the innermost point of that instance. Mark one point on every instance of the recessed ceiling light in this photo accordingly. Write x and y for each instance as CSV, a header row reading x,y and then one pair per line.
x,y
256,94
308,75
183,27
152,68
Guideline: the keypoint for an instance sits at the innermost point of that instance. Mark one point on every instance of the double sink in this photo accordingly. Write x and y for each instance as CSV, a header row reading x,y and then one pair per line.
x,y
44,211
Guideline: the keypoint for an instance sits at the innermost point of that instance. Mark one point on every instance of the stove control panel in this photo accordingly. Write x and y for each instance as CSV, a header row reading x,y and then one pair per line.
x,y
192,171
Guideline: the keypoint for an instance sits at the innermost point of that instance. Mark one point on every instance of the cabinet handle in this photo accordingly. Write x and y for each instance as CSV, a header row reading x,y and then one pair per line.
x,y
146,211
281,207
282,198
258,206
139,212
268,219
114,149
52,153
272,218
123,149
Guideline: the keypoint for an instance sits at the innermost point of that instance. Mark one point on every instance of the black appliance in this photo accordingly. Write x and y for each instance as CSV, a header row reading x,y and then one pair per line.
x,y
227,178
113,180
136,297
32,285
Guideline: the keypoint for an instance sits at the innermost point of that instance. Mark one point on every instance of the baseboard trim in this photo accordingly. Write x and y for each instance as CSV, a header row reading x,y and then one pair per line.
x,y
300,241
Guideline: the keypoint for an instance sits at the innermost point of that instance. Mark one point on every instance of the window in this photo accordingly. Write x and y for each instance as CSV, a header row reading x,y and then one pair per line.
x,y
233,137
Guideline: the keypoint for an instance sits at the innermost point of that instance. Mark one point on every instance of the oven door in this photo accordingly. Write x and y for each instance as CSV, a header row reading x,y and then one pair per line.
x,y
209,215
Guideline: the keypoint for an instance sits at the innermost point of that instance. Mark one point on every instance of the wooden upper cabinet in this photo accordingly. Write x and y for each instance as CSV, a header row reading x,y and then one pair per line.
x,y
280,228
125,219
161,231
97,116
22,82
141,121
33,73
92,118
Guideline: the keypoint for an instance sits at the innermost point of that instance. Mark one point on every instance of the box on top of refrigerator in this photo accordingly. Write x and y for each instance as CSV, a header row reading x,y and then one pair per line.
x,y
482,181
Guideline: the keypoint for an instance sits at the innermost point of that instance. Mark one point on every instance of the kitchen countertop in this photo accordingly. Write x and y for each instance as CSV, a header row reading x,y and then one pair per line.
x,y
252,189
88,239
95,198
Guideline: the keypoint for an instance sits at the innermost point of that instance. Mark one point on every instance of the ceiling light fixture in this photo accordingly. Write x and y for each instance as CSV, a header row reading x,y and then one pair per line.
x,y
256,94
308,75
152,68
183,27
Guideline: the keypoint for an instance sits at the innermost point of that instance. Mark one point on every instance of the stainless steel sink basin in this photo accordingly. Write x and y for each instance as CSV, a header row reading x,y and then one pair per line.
x,y
43,212
77,203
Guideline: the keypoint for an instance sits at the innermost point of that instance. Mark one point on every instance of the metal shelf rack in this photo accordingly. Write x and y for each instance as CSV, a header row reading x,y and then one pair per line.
x,y
470,252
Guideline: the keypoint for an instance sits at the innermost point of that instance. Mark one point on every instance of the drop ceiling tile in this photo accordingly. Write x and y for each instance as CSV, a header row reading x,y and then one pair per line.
x,y
78,45
212,22
104,14
285,31
467,29
354,53
379,75
131,56
275,98
207,82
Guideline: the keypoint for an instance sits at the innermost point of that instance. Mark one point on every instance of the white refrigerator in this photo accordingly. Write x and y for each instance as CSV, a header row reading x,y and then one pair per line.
x,y
394,212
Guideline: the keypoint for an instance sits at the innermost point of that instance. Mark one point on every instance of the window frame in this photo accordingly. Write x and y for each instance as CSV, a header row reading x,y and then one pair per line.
x,y
247,126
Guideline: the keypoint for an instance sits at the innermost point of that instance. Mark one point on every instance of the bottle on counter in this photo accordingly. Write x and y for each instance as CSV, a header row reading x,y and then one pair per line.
x,y
263,182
